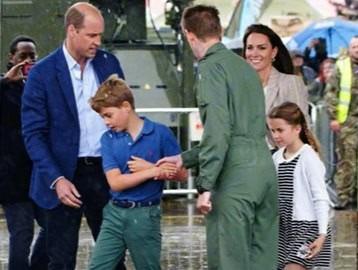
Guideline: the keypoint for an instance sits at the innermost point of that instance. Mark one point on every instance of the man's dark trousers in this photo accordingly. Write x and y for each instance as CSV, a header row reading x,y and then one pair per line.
x,y
20,218
62,237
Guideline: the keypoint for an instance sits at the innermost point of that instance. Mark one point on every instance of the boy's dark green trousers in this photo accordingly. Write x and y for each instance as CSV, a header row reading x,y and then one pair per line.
x,y
135,229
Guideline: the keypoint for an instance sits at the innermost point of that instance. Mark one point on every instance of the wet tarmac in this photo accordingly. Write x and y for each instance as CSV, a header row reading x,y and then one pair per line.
x,y
184,248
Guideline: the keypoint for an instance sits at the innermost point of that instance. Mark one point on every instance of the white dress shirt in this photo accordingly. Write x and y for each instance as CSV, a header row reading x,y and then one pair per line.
x,y
85,85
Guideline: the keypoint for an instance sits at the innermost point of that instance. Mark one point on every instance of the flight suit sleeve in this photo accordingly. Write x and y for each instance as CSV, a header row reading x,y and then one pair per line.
x,y
213,100
191,157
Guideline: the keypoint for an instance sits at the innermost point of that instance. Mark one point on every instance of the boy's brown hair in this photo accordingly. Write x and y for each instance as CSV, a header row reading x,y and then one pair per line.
x,y
112,93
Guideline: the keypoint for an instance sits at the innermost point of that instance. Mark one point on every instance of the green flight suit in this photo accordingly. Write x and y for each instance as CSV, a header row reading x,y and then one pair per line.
x,y
235,164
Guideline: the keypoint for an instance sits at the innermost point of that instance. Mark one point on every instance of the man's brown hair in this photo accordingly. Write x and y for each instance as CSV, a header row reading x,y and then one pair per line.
x,y
112,93
203,21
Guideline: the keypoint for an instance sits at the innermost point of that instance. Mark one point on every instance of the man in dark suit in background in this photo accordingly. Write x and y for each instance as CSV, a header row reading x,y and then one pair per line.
x,y
62,133
15,164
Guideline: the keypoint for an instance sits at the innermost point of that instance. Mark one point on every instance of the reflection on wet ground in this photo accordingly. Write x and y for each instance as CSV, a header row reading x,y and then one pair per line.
x,y
183,246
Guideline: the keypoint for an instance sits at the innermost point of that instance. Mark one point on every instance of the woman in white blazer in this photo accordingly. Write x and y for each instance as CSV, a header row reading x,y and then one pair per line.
x,y
265,52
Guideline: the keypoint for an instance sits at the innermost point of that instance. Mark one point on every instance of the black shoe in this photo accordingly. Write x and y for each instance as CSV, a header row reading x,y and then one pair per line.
x,y
344,206
339,207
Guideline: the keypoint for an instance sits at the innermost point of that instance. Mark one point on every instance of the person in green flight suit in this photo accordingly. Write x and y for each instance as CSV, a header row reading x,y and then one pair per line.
x,y
237,180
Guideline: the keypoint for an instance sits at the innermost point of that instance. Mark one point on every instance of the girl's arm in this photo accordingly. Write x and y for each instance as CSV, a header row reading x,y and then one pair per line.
x,y
316,246
315,172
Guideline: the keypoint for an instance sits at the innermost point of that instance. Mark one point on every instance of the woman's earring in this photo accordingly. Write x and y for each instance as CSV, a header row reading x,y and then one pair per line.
x,y
273,59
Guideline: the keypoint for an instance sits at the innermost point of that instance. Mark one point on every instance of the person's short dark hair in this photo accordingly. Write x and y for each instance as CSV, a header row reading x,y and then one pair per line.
x,y
282,62
321,46
75,17
203,21
17,40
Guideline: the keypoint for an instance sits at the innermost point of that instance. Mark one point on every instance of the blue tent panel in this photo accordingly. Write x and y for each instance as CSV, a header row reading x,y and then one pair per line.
x,y
337,33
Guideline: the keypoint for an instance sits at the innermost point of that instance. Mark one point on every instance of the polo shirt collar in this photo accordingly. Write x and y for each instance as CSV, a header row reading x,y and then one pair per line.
x,y
148,126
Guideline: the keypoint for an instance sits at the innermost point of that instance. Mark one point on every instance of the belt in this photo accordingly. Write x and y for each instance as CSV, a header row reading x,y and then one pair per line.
x,y
133,204
89,161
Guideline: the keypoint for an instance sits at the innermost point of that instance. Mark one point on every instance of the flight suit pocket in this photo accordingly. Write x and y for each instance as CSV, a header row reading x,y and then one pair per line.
x,y
202,101
202,105
201,94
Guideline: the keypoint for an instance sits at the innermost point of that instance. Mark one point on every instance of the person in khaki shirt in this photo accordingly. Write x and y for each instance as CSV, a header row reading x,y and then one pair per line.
x,y
237,181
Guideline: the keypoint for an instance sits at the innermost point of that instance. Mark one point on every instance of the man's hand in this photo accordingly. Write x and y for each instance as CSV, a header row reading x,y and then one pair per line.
x,y
335,126
67,193
181,173
313,43
15,73
203,202
166,171
137,164
177,160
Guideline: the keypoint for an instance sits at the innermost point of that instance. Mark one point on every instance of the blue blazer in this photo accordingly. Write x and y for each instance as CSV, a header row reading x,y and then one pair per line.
x,y
50,122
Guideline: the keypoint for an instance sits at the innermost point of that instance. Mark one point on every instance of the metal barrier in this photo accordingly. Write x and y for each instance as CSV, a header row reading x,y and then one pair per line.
x,y
320,126
173,118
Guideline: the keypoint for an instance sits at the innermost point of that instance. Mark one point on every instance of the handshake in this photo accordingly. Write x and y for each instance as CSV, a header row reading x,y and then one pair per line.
x,y
171,168
168,168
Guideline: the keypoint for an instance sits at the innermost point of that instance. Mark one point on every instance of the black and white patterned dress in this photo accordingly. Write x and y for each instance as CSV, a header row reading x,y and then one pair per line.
x,y
295,233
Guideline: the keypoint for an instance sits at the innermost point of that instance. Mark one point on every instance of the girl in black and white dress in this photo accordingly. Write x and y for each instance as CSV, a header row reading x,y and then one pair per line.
x,y
304,236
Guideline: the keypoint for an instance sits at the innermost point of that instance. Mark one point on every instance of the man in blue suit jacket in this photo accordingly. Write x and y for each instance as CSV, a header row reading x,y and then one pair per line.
x,y
62,133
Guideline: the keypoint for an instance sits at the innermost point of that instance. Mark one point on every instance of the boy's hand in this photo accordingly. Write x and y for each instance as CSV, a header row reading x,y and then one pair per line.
x,y
316,246
181,173
166,171
138,164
